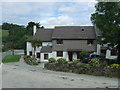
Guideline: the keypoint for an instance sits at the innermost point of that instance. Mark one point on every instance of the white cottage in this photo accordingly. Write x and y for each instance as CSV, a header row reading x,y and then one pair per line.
x,y
64,42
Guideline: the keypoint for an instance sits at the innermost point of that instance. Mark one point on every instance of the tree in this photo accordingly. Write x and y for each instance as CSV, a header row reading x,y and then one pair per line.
x,y
35,43
9,26
30,27
107,19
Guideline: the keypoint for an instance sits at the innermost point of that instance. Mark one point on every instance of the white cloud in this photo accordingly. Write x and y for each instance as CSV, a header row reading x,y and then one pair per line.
x,y
63,20
21,8
78,8
48,0
49,14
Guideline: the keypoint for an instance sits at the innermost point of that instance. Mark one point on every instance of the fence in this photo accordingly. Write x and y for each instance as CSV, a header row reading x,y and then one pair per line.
x,y
16,52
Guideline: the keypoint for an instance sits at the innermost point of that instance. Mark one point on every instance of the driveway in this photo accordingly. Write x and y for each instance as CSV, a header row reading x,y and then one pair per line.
x,y
20,75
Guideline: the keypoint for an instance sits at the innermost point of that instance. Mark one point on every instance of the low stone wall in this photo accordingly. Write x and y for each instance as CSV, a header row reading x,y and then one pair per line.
x,y
84,69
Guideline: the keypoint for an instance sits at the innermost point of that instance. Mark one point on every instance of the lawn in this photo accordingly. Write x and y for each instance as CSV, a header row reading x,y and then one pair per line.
x,y
11,58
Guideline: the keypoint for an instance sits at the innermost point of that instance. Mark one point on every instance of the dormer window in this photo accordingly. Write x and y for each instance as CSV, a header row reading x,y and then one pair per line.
x,y
89,41
59,41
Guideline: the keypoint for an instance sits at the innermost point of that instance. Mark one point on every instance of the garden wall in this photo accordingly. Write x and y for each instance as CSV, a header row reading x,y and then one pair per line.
x,y
84,69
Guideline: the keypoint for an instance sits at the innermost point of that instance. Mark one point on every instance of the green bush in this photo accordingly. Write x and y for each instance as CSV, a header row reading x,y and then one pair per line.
x,y
115,65
30,60
76,61
82,70
62,61
103,64
112,61
26,57
102,55
83,54
35,63
33,59
52,60
95,62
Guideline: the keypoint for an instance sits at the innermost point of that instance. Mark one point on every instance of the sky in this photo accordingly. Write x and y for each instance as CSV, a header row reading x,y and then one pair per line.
x,y
49,14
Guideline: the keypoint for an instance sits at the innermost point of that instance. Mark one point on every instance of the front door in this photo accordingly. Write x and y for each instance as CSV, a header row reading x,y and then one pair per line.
x,y
70,54
38,55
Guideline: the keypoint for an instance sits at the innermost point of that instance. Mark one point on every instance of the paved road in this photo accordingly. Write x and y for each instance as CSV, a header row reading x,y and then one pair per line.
x,y
16,75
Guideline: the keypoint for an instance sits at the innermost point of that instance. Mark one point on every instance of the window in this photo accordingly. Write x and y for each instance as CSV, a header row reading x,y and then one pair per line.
x,y
45,56
59,53
30,53
59,41
103,51
38,55
113,52
89,41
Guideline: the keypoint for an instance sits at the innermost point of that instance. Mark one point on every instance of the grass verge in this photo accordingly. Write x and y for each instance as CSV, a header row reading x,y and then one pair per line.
x,y
11,58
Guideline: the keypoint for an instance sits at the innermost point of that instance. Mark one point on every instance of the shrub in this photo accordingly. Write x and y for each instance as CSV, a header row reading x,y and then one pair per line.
x,y
102,55
52,60
26,56
30,60
95,62
83,54
112,61
33,59
103,64
115,65
76,61
35,63
62,61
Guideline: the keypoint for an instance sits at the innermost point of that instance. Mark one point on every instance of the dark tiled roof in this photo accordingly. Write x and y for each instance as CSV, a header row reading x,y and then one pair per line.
x,y
47,49
44,34
74,32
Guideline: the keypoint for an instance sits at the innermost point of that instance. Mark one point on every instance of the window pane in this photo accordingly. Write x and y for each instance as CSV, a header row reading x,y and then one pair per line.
x,y
59,41
89,41
45,56
38,55
114,52
59,53
30,53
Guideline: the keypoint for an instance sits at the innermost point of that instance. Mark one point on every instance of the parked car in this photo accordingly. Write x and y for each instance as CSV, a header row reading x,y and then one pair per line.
x,y
88,57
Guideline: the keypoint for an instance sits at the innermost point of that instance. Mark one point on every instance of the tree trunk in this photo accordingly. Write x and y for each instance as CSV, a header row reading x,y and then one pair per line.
x,y
34,51
118,58
118,48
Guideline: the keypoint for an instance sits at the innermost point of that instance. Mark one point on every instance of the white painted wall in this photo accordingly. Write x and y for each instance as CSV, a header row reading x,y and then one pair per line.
x,y
113,57
30,48
98,49
42,57
109,56
65,55
46,43
108,52
74,56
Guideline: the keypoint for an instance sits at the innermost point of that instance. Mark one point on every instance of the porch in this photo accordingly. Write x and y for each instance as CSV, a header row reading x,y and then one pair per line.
x,y
73,54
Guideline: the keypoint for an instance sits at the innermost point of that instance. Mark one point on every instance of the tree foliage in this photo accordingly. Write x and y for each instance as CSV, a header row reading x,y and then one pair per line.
x,y
18,35
107,19
30,27
35,43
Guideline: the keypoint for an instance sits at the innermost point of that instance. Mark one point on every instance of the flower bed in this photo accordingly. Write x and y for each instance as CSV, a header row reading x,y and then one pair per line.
x,y
30,60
